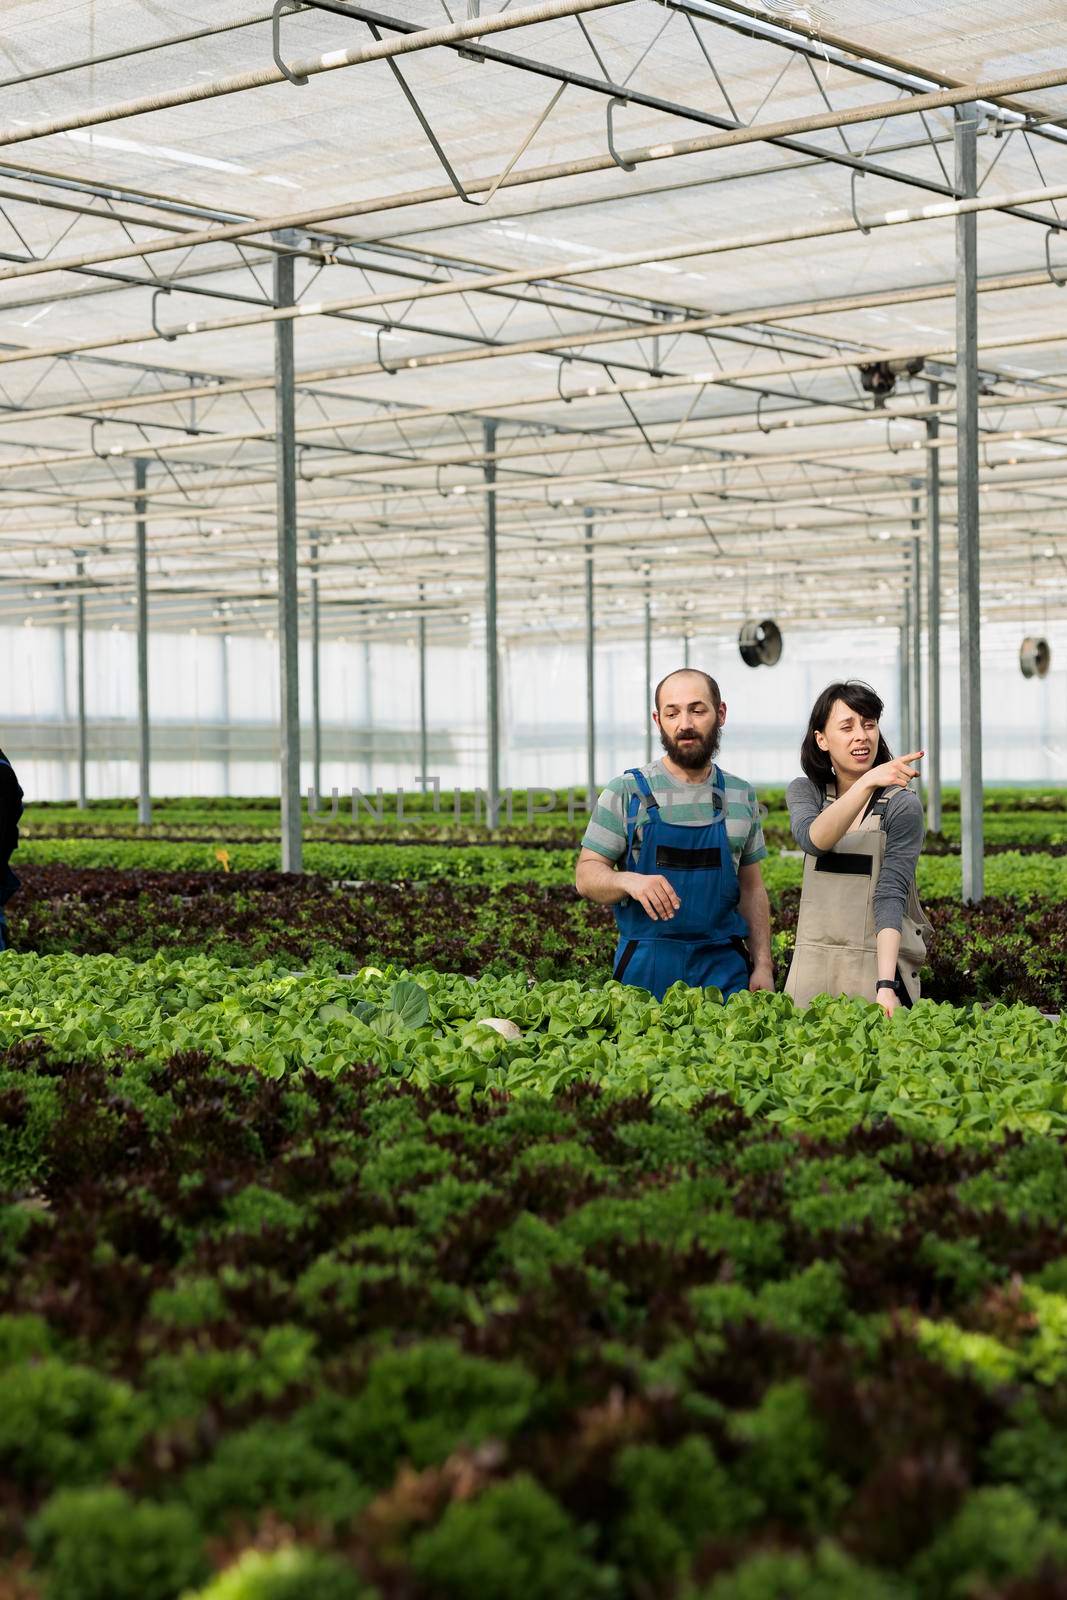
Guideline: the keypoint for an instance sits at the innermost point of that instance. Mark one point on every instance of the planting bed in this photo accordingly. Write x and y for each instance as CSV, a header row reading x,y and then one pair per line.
x,y
1011,873
317,1285
1001,950
936,1068
339,1339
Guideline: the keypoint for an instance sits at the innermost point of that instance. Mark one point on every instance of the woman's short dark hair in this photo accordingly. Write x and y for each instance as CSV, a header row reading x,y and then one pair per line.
x,y
859,697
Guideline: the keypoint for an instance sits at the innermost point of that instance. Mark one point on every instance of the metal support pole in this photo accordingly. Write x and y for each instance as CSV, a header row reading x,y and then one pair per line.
x,y
590,665
368,711
915,595
288,618
932,764
685,649
491,657
424,758
224,696
83,798
966,131
144,792
903,675
316,708
648,668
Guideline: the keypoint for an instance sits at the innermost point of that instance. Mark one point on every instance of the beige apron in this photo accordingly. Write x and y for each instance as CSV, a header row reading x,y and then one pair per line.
x,y
836,946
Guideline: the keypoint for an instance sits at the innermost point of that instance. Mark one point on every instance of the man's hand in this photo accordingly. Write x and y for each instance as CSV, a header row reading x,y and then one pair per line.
x,y
761,977
654,893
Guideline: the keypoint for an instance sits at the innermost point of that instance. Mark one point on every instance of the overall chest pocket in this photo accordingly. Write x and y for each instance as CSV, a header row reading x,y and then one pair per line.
x,y
669,858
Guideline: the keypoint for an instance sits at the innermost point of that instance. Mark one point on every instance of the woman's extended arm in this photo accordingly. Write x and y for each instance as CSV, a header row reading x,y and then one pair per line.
x,y
905,829
818,831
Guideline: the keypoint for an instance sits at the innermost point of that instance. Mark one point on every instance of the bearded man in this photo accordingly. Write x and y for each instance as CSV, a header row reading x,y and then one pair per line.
x,y
675,847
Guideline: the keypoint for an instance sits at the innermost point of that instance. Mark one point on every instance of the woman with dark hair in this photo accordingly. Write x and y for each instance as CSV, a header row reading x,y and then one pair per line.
x,y
861,929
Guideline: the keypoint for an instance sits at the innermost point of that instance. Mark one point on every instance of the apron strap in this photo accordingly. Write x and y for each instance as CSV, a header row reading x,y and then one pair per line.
x,y
876,806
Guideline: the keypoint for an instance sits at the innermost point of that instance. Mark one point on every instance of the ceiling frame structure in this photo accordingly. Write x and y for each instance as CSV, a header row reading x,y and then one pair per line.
x,y
451,390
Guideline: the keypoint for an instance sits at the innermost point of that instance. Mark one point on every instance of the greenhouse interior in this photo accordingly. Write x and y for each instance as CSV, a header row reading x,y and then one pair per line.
x,y
533,800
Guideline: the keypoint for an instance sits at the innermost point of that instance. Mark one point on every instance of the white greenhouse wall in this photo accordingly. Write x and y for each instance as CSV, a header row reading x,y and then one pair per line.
x,y
214,706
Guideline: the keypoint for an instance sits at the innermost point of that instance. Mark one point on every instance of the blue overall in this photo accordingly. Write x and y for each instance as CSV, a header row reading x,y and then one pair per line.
x,y
702,943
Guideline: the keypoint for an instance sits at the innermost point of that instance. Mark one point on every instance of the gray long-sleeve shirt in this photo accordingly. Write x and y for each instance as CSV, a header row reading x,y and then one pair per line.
x,y
905,829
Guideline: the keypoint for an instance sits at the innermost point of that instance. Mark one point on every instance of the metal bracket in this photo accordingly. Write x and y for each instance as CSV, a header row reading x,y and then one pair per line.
x,y
281,6
856,173
100,454
638,424
759,407
627,166
566,398
1061,283
894,450
301,451
170,337
386,327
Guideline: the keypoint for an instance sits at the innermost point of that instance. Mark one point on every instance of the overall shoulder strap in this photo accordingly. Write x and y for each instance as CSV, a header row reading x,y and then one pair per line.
x,y
642,796
643,788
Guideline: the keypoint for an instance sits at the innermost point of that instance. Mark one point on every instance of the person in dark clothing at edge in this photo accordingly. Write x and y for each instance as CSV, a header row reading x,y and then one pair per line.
x,y
10,812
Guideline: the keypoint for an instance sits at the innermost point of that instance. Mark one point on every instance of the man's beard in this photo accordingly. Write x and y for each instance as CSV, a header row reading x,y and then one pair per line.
x,y
693,755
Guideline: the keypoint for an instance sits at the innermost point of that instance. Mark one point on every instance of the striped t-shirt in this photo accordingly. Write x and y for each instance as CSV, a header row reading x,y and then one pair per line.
x,y
692,804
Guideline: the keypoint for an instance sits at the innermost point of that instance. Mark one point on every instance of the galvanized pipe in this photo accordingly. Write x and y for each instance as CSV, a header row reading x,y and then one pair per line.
x,y
562,443
214,391
648,667
288,595
903,675
613,262
308,67
423,739
316,710
723,139
125,54
144,791
967,502
224,688
915,702
590,665
933,617
83,799
492,663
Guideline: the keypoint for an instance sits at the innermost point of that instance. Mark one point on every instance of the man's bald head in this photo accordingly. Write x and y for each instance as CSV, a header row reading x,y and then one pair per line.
x,y
710,687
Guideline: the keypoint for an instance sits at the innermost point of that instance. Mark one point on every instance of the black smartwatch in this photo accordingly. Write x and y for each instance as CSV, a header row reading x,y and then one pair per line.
x,y
887,983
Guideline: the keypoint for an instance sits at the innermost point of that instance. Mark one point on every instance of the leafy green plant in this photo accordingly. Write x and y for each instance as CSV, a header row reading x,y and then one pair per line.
x,y
828,1574
62,1423
514,1539
98,1544
275,1464
783,1465
291,1573
418,1405
939,1069
675,1500
997,1534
